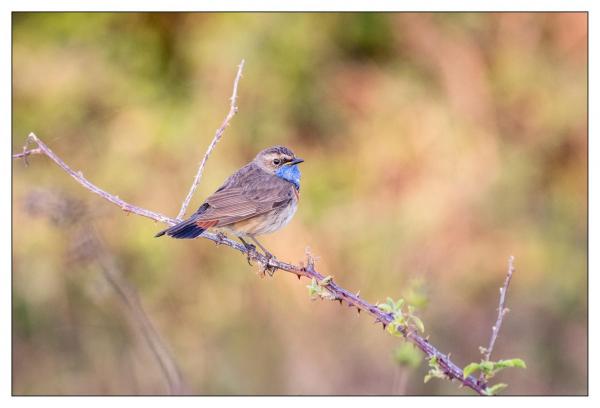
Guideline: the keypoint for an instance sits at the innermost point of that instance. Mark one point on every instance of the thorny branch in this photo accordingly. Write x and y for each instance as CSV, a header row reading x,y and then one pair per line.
x,y
452,371
502,310
232,111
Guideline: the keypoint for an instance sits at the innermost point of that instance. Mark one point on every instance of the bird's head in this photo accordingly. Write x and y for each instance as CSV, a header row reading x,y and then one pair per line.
x,y
275,158
281,162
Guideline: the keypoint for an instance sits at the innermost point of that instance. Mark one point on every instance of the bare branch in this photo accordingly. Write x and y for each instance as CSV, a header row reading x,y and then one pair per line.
x,y
340,294
26,153
78,176
219,133
502,310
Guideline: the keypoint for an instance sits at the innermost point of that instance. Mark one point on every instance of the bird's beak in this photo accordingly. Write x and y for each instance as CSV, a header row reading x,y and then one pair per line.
x,y
297,160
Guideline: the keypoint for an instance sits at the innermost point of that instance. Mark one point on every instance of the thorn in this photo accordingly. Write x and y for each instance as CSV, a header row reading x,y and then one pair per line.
x,y
358,308
384,325
340,300
358,294
298,275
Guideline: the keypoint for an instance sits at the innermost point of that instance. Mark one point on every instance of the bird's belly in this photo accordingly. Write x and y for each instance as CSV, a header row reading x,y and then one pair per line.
x,y
265,223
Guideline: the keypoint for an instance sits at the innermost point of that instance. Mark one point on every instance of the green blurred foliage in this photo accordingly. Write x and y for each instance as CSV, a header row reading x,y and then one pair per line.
x,y
436,145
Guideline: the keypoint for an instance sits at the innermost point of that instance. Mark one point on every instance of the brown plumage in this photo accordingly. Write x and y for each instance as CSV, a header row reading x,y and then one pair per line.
x,y
259,198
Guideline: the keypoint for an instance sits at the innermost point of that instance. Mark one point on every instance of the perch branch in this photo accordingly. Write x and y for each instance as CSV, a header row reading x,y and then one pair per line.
x,y
219,133
502,310
451,370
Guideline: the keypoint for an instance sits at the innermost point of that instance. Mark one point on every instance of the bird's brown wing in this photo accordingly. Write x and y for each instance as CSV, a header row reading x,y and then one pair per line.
x,y
249,192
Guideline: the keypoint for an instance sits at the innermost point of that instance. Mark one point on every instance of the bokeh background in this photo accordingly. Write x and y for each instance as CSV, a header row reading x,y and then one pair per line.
x,y
436,145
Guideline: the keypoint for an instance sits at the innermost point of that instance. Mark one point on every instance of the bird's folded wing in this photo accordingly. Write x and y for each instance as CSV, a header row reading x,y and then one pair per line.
x,y
236,203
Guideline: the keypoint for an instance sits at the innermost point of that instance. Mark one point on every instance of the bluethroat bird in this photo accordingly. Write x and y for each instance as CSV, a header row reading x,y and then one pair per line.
x,y
259,198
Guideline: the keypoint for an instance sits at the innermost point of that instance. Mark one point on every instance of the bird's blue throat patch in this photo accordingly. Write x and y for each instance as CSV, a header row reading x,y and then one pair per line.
x,y
290,173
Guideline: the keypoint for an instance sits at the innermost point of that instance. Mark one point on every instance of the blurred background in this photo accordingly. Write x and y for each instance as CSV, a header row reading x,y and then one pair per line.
x,y
436,145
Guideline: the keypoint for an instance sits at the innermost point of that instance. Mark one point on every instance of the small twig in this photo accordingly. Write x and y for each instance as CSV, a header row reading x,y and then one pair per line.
x,y
26,153
218,134
449,368
502,310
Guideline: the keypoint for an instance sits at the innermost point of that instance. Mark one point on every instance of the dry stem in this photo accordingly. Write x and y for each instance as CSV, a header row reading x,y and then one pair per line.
x,y
219,133
502,310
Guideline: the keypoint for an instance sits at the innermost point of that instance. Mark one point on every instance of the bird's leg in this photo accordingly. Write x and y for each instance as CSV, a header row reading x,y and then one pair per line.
x,y
267,253
269,256
249,248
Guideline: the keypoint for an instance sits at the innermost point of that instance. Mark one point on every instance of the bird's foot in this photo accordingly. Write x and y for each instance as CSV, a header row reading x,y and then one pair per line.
x,y
267,267
250,252
220,238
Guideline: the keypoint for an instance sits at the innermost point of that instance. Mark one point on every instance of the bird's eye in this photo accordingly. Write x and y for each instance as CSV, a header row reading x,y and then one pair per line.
x,y
276,162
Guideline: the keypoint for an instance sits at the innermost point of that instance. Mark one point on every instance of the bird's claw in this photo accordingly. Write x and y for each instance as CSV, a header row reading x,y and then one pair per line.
x,y
267,267
220,238
250,253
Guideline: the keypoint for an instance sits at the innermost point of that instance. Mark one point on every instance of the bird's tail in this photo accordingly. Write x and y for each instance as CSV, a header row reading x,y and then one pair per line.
x,y
187,229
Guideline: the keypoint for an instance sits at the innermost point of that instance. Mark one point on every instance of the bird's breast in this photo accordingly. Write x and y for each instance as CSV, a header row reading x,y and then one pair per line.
x,y
265,223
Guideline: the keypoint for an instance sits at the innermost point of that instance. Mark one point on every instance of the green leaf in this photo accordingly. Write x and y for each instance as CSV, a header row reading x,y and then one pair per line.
x,y
486,367
400,320
495,389
491,368
313,289
418,322
497,366
514,362
434,371
394,329
470,369
385,307
407,355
